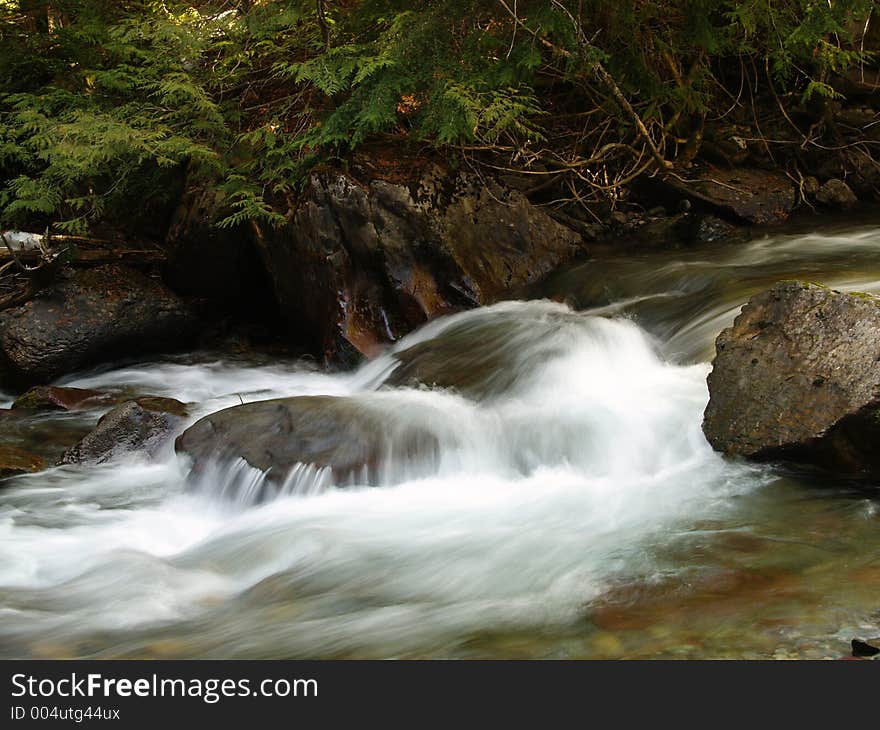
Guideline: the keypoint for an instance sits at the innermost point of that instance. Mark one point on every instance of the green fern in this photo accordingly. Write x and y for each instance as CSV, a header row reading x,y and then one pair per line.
x,y
103,108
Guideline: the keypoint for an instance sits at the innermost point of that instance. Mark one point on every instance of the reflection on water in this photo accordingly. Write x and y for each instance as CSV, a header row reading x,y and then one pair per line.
x,y
573,508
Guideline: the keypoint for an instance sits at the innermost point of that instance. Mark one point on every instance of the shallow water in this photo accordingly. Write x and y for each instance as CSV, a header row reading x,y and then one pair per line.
x,y
572,507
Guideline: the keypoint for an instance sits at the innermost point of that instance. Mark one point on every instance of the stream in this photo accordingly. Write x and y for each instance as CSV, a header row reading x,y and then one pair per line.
x,y
573,510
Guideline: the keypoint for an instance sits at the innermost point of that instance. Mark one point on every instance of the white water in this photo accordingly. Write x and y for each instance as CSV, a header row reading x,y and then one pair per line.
x,y
541,497
581,461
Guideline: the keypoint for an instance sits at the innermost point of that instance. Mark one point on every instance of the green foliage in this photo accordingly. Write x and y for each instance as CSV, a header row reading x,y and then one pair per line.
x,y
103,104
114,103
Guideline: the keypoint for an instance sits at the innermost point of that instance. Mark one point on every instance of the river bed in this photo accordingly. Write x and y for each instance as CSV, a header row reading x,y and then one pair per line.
x,y
575,509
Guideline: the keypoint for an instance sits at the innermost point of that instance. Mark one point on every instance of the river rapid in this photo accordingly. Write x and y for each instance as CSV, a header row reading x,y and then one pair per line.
x,y
574,509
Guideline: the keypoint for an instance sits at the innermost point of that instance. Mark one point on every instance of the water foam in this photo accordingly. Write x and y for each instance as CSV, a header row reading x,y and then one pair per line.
x,y
536,497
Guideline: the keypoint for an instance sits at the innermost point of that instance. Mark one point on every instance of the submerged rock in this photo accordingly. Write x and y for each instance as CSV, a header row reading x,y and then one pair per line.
x,y
15,461
54,398
87,317
483,354
142,426
350,438
863,648
363,263
797,378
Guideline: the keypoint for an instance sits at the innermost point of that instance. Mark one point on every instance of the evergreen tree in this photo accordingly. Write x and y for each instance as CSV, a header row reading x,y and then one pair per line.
x,y
102,103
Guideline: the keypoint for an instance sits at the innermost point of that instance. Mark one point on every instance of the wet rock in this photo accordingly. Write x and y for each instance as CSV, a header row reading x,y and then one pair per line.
x,y
482,356
347,436
23,240
15,461
454,362
142,426
681,230
364,262
836,194
90,316
797,378
709,229
54,398
863,649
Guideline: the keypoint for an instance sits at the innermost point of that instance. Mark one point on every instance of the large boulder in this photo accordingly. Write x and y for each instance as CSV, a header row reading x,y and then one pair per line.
x,y
355,441
797,378
142,426
90,316
362,263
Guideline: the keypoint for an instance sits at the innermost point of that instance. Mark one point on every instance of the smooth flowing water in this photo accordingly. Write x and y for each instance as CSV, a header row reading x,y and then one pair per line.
x,y
572,507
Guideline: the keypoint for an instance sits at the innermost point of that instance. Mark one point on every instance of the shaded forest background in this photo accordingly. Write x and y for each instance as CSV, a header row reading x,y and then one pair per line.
x,y
105,103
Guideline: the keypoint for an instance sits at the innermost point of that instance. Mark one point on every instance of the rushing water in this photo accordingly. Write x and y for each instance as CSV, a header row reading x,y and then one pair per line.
x,y
573,508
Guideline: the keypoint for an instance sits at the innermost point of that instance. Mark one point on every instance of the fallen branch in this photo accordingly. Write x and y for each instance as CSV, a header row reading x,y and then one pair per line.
x,y
88,257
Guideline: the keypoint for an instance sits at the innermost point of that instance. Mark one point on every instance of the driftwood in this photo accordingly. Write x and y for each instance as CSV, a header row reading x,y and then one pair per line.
x,y
37,273
90,257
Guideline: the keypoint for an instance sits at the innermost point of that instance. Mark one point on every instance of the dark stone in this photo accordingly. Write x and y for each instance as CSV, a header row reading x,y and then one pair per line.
x,y
363,263
797,378
143,425
742,194
681,230
54,398
619,218
836,194
857,82
482,357
218,264
709,229
347,436
863,649
88,317
15,461
853,165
